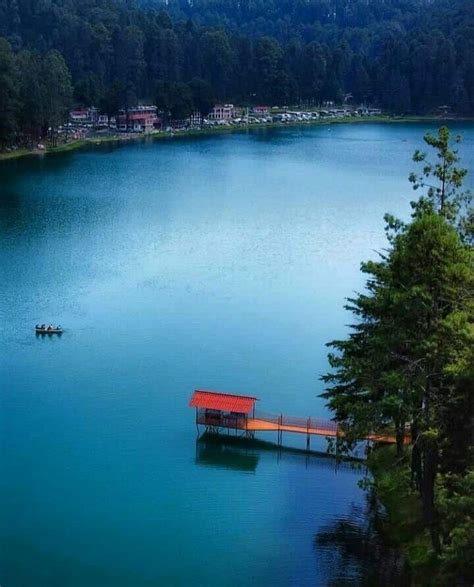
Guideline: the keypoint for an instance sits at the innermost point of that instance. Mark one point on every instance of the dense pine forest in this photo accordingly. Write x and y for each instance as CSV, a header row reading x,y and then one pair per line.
x,y
405,57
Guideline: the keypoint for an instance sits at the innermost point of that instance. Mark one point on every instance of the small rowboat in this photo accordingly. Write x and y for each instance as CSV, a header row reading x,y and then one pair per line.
x,y
48,330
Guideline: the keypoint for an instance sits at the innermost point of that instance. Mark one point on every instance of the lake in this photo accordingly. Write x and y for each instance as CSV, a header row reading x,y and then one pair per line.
x,y
219,263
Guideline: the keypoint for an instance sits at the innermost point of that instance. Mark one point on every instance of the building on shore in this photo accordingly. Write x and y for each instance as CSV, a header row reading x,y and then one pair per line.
x,y
141,119
103,120
368,111
84,116
221,112
261,110
195,119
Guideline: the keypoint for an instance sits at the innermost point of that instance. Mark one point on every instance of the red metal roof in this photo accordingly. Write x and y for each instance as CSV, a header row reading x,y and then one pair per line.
x,y
226,402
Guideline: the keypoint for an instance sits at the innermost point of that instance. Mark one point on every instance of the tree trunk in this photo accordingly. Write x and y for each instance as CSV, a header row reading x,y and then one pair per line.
x,y
430,467
416,472
400,437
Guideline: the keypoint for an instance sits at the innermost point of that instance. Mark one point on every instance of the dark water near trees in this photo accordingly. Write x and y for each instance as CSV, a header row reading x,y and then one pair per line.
x,y
221,263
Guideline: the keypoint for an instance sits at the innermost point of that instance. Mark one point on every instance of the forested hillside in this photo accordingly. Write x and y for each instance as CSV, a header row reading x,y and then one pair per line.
x,y
406,57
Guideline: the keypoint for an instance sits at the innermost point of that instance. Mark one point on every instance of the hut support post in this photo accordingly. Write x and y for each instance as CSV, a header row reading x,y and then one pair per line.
x,y
280,431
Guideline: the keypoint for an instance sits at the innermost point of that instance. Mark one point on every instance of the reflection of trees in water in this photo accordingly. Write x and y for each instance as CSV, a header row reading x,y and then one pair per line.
x,y
355,550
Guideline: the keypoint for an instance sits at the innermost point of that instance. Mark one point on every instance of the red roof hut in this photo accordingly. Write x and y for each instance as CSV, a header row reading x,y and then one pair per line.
x,y
222,410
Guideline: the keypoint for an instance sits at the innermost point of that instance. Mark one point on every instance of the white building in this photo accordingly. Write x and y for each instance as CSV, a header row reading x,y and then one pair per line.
x,y
195,119
221,112
84,116
102,120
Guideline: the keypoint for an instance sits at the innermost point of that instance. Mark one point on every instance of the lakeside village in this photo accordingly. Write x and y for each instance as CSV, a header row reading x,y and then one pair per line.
x,y
90,125
89,122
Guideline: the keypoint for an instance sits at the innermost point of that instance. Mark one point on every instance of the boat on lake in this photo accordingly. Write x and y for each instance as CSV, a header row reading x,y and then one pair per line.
x,y
43,329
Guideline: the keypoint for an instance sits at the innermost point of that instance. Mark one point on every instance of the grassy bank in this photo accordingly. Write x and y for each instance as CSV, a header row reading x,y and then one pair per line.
x,y
209,131
403,526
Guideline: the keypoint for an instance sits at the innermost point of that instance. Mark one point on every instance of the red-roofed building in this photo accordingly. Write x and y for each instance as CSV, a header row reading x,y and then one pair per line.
x,y
141,119
228,410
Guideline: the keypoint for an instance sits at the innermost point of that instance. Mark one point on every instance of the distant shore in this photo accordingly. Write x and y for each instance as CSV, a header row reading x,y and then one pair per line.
x,y
215,130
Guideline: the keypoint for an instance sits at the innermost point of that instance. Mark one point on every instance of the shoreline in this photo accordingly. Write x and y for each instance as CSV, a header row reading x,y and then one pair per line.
x,y
216,130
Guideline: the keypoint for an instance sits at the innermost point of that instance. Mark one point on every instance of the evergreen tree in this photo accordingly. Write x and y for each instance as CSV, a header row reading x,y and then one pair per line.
x,y
202,96
442,178
8,92
32,95
57,92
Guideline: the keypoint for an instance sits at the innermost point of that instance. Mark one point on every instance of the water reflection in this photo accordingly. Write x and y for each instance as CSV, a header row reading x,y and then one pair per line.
x,y
240,453
48,335
213,453
358,553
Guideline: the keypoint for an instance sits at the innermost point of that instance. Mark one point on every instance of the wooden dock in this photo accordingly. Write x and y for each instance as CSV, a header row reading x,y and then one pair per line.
x,y
237,413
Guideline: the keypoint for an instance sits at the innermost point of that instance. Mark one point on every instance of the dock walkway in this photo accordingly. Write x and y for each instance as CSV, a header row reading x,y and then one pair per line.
x,y
325,428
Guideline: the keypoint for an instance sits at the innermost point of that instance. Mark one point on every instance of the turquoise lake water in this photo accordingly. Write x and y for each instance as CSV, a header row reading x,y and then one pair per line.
x,y
220,263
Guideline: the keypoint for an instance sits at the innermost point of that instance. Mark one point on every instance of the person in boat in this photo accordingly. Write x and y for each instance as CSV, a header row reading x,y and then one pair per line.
x,y
50,327
43,326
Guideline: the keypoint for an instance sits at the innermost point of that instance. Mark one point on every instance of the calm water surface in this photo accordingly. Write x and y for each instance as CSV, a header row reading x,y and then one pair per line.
x,y
219,263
